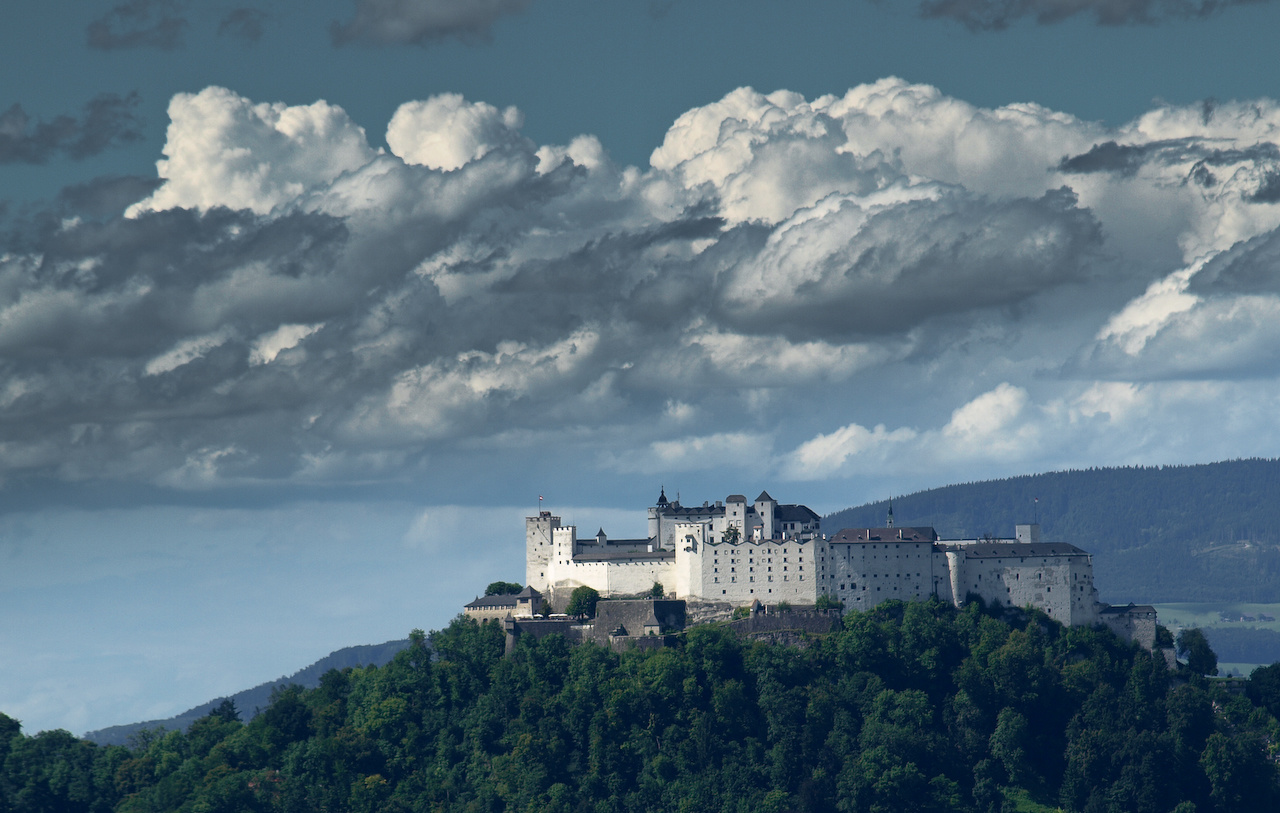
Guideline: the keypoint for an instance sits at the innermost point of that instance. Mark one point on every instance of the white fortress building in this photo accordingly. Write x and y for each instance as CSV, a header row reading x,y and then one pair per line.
x,y
738,552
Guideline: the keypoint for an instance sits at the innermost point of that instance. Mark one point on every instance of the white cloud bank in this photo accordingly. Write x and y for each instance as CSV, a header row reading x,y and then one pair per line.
x,y
888,279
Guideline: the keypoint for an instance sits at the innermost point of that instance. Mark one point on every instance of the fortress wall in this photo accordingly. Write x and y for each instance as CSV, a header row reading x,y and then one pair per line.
x,y
770,570
1084,596
628,577
1043,582
864,574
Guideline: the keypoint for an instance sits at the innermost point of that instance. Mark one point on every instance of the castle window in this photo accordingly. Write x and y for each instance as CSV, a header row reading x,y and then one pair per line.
x,y
752,578
733,579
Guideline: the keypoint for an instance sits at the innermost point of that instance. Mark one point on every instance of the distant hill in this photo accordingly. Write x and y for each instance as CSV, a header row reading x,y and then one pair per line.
x,y
250,701
1157,534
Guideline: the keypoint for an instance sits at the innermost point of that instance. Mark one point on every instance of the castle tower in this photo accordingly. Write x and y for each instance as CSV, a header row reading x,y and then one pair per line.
x,y
538,549
656,513
765,509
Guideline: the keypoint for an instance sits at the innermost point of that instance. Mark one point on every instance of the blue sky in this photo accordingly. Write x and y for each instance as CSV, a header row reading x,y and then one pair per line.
x,y
303,305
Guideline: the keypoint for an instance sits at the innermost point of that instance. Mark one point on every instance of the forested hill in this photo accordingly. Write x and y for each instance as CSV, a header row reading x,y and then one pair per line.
x,y
1158,534
250,700
909,707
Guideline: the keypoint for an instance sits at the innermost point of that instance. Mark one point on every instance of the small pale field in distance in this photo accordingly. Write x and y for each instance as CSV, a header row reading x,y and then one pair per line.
x,y
1225,616
1179,616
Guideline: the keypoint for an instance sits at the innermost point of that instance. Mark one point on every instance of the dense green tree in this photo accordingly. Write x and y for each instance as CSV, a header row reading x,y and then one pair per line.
x,y
1194,646
503,588
909,707
1264,688
826,602
582,602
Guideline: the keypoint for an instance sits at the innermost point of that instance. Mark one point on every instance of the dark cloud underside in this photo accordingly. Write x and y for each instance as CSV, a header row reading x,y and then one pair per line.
x,y
108,120
417,22
996,15
139,24
243,23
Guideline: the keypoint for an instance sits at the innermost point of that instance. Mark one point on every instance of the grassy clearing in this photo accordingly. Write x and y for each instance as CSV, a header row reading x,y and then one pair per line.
x,y
1178,616
1023,803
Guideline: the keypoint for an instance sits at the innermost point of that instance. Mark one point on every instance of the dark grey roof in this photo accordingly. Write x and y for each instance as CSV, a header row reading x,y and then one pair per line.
x,y
609,554
866,535
735,498
1128,608
993,550
675,509
652,620
492,601
529,592
795,513
590,542
764,497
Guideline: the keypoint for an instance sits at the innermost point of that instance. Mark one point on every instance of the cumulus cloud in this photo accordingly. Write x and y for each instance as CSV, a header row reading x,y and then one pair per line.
x,y
419,22
794,287
139,24
446,131
846,269
996,15
108,121
223,150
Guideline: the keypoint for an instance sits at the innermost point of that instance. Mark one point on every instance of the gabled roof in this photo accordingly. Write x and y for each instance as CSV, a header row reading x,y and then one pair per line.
x,y
652,620
764,497
795,513
492,601
529,592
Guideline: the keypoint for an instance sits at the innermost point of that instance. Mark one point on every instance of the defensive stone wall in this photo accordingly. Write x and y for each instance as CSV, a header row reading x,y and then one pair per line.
x,y
632,614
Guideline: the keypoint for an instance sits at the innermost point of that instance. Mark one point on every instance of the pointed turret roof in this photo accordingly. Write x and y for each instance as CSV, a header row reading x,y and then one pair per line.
x,y
662,496
764,497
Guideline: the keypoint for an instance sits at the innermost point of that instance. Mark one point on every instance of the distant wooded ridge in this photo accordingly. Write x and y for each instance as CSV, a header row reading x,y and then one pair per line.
x,y
1158,534
259,697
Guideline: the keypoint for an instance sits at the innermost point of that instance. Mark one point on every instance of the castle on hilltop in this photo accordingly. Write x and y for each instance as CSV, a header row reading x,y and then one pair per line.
x,y
737,553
